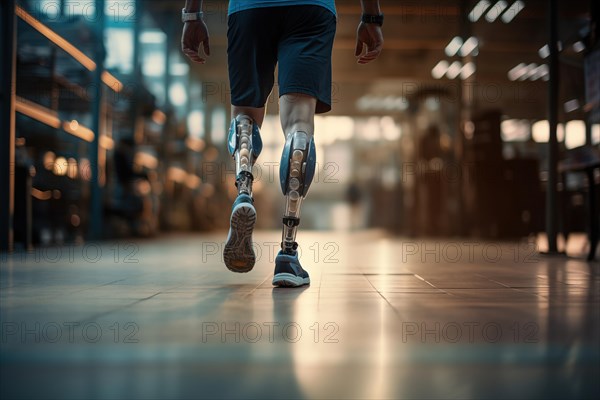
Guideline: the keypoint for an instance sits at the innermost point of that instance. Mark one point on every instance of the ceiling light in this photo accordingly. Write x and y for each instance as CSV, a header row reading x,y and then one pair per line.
x,y
468,70
571,105
470,46
478,10
454,70
544,51
495,11
531,70
578,46
540,72
440,69
512,11
517,72
454,46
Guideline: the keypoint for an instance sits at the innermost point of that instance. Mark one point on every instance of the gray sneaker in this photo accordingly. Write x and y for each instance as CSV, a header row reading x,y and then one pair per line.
x,y
289,272
238,253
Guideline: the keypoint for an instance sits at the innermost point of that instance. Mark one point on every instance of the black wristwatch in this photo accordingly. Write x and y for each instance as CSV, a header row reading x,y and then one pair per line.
x,y
372,19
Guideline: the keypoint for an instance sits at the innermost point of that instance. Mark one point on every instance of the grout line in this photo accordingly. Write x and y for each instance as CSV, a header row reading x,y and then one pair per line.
x,y
99,315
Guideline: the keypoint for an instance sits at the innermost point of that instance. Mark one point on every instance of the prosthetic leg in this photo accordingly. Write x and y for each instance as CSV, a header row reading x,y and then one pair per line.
x,y
296,173
244,145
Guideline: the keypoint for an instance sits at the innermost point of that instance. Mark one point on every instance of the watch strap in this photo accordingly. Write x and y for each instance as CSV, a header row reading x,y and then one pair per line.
x,y
376,19
191,16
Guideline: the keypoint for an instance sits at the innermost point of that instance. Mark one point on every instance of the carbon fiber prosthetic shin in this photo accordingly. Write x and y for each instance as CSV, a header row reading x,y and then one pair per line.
x,y
244,144
296,173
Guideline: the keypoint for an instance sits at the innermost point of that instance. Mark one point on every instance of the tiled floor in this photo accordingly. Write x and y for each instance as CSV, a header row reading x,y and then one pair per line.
x,y
383,318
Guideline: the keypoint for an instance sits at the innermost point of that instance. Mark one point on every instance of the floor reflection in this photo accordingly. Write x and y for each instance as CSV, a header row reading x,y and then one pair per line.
x,y
369,326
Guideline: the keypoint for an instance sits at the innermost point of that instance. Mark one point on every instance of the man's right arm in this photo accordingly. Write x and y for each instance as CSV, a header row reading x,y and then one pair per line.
x,y
195,34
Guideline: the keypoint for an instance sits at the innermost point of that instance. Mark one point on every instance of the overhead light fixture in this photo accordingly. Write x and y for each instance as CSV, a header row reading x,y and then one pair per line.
x,y
512,11
571,105
541,72
479,10
532,72
440,69
467,70
578,46
517,72
496,11
454,46
469,47
544,51
454,70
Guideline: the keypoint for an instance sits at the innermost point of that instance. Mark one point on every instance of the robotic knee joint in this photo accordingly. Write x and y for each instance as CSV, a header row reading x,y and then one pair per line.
x,y
296,173
244,145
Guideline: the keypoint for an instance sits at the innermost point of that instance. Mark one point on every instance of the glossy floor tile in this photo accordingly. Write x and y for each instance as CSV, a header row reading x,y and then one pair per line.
x,y
384,317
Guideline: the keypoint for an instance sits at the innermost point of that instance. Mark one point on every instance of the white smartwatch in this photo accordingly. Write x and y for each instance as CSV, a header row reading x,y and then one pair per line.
x,y
190,16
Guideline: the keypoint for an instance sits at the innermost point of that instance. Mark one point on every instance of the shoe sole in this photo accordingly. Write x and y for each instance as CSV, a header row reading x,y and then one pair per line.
x,y
238,253
285,279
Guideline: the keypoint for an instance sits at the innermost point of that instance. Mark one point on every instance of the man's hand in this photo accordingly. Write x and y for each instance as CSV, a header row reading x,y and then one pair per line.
x,y
195,34
368,35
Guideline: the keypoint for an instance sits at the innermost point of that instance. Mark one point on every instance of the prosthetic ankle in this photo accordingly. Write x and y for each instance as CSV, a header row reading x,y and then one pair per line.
x,y
296,173
244,144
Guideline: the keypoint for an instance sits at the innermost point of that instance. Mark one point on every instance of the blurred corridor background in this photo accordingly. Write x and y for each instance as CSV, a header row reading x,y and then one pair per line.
x,y
451,230
448,132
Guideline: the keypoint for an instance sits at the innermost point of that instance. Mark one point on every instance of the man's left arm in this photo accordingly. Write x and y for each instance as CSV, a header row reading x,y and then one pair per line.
x,y
369,32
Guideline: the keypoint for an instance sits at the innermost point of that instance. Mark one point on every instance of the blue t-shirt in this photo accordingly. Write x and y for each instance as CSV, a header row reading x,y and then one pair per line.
x,y
240,5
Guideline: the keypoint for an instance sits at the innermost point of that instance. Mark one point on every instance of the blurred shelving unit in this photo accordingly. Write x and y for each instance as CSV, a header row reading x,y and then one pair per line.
x,y
101,151
55,101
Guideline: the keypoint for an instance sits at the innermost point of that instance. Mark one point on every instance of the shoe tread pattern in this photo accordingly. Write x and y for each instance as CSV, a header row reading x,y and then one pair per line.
x,y
238,253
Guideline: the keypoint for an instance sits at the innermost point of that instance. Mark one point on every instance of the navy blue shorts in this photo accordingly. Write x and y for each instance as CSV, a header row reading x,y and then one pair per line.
x,y
300,38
